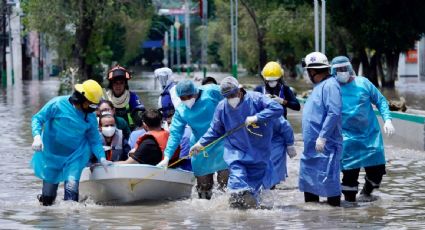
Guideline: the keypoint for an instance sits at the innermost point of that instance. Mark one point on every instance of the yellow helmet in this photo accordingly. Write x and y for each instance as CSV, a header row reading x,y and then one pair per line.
x,y
272,71
91,90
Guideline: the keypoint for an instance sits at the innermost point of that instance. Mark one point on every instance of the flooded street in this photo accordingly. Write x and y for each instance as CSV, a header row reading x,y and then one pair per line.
x,y
400,204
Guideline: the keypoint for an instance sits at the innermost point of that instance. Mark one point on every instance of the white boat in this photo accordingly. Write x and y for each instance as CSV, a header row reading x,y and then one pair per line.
x,y
131,183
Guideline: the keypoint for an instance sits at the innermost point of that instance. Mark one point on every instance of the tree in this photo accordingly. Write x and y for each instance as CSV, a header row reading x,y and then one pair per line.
x,y
380,29
83,30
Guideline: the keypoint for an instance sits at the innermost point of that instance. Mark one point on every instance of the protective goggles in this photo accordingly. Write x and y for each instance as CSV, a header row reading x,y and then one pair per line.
x,y
231,93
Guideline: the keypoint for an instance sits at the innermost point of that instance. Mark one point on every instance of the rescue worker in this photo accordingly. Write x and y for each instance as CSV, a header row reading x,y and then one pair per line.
x,y
168,96
126,103
65,133
321,130
196,110
363,146
275,87
282,145
246,119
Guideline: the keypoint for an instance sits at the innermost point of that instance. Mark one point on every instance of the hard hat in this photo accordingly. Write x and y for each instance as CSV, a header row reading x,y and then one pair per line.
x,y
341,64
315,60
118,72
272,71
164,75
91,90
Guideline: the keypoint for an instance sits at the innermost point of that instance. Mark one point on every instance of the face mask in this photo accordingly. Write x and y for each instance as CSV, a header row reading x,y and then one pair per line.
x,y
272,84
108,131
189,103
234,101
343,77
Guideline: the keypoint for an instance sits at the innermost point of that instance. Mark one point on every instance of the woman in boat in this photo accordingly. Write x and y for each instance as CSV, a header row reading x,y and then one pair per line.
x,y
106,106
114,143
126,103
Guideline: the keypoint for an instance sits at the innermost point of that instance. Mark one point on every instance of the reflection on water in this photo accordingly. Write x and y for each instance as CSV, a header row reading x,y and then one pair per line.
x,y
400,204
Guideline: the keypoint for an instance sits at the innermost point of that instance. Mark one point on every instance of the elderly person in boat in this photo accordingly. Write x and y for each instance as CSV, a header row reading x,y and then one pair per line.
x,y
196,110
363,146
150,147
65,132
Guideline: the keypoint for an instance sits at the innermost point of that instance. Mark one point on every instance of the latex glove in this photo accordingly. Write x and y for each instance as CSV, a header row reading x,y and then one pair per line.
x,y
251,119
292,152
320,144
195,149
105,163
164,162
37,144
389,128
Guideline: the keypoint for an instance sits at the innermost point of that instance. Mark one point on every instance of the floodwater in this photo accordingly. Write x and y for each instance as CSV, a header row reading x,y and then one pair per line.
x,y
400,204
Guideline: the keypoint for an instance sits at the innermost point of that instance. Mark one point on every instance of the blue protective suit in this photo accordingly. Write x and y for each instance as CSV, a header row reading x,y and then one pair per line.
x,y
283,136
363,145
320,172
247,154
68,140
198,118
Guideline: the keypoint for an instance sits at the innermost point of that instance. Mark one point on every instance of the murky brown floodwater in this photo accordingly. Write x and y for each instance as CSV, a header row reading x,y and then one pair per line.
x,y
401,203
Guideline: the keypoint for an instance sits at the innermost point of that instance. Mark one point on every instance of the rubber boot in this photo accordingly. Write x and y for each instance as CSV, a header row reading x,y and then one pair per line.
x,y
205,194
310,197
46,200
334,201
350,196
242,200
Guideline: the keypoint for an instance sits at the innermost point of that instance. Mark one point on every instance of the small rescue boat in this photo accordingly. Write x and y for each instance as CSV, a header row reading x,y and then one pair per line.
x,y
132,183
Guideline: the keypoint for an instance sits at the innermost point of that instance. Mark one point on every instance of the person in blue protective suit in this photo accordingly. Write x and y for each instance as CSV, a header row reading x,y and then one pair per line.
x,y
247,118
275,88
126,102
321,130
168,94
65,133
363,146
196,110
282,144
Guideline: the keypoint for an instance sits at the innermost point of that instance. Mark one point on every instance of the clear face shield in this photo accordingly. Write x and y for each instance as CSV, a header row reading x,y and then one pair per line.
x,y
343,71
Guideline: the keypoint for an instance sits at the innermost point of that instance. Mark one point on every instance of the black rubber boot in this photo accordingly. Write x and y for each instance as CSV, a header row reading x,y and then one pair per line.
x,y
46,200
350,196
205,195
310,197
334,201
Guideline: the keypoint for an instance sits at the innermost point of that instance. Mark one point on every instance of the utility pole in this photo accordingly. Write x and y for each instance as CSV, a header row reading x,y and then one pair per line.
x,y
204,53
322,41
172,45
187,36
234,30
3,73
177,25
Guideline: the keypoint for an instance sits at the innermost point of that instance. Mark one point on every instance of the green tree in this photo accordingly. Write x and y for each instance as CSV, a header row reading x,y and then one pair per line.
x,y
90,32
380,30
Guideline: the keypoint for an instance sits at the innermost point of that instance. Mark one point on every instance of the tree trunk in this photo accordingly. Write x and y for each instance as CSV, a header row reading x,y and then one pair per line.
x,y
373,69
83,34
262,53
392,67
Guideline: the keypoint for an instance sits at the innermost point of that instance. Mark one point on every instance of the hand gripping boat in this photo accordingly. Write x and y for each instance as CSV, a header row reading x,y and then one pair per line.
x,y
131,183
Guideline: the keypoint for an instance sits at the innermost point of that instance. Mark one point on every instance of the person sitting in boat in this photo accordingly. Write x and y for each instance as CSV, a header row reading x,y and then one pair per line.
x,y
108,107
114,143
125,102
150,147
245,120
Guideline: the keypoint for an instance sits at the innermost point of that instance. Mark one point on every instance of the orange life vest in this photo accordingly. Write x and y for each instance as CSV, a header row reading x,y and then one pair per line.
x,y
161,138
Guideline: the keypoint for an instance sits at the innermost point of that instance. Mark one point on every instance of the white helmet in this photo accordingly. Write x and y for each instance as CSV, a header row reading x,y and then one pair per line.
x,y
316,60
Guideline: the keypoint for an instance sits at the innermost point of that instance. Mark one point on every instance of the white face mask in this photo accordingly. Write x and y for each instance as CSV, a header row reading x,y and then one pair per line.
x,y
234,101
108,131
343,77
272,84
189,103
